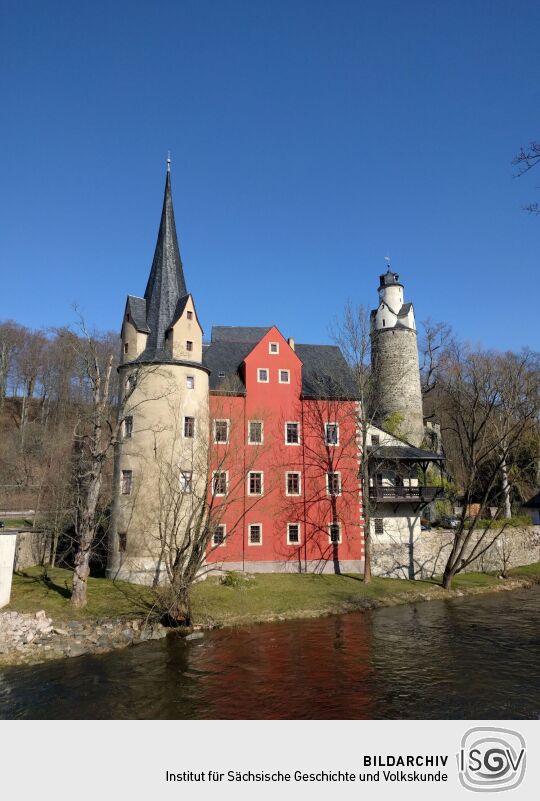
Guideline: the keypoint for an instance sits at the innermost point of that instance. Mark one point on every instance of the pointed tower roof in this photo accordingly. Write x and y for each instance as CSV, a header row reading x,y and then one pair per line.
x,y
166,284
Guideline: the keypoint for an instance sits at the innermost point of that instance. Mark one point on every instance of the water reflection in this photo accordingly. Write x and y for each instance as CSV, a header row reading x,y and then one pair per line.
x,y
476,658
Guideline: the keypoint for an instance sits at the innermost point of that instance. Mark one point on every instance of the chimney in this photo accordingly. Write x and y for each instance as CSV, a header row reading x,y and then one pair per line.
x,y
290,342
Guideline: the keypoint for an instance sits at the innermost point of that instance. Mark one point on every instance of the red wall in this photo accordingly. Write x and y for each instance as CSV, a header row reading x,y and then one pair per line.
x,y
275,404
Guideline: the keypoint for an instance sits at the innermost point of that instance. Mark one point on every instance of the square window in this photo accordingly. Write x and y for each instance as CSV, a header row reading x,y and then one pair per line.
x,y
255,483
190,381
189,345
220,482
333,483
331,433
378,525
293,533
255,432
334,533
293,484
284,377
122,541
128,427
262,375
189,427
255,534
186,481
189,315
219,535
292,433
127,482
221,431
273,348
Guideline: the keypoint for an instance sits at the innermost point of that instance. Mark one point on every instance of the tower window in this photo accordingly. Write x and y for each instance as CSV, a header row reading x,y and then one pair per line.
x,y
190,382
293,533
255,483
122,541
186,481
189,315
292,433
292,485
128,427
126,347
189,427
384,323
189,345
221,431
127,482
255,534
255,432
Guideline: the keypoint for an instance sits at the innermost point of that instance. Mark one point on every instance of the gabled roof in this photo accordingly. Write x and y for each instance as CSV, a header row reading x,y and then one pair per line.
x,y
324,372
166,284
238,333
136,308
405,309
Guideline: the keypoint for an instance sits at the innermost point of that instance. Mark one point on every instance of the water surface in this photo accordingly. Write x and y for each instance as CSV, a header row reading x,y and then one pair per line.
x,y
474,658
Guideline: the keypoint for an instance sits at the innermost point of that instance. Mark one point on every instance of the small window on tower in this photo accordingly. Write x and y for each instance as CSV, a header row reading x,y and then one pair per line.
x,y
190,382
122,541
384,323
190,315
126,347
128,427
189,345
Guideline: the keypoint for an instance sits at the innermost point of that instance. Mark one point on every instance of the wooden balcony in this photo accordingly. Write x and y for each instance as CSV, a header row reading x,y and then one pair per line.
x,y
405,494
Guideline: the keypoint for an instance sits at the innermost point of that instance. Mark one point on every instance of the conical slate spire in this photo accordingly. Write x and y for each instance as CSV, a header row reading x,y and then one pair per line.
x,y
166,283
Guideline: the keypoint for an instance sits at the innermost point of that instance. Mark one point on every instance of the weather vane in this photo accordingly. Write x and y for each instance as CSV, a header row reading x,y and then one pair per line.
x,y
387,260
168,160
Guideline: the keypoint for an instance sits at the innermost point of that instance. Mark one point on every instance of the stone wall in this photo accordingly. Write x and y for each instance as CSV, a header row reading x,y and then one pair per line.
x,y
33,548
424,555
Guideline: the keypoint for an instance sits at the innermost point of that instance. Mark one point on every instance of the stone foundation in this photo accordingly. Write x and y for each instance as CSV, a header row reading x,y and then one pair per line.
x,y
424,555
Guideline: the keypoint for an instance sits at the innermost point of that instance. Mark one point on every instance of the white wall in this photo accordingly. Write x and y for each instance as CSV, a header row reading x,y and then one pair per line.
x,y
7,558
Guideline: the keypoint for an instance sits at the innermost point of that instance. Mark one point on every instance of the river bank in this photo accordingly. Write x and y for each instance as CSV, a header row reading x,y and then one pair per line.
x,y
40,625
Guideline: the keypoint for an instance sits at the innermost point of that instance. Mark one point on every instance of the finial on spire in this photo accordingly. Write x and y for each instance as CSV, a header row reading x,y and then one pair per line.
x,y
387,260
168,160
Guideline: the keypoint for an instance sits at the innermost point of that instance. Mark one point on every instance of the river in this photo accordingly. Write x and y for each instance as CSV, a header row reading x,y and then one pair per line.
x,y
471,658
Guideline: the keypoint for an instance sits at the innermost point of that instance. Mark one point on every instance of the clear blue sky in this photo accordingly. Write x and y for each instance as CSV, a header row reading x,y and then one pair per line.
x,y
309,139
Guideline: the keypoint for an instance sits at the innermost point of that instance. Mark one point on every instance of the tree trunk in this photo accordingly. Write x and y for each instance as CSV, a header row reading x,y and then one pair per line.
x,y
506,490
447,579
367,557
180,611
80,577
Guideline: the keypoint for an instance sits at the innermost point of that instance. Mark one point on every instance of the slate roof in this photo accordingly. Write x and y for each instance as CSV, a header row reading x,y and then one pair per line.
x,y
405,309
534,502
136,308
407,453
389,278
324,373
166,284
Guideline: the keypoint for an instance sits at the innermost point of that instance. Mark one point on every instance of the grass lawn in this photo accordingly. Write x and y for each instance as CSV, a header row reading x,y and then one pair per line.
x,y
17,522
267,596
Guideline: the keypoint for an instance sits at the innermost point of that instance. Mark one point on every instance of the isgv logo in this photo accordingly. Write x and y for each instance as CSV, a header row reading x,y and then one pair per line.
x,y
491,759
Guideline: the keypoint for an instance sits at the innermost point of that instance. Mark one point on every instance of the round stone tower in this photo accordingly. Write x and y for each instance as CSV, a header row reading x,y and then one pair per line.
x,y
397,396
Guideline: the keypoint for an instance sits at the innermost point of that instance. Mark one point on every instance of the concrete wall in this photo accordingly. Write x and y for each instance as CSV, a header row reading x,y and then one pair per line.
x,y
7,556
411,553
33,548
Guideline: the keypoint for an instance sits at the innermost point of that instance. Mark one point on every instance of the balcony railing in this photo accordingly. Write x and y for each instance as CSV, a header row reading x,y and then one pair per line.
x,y
405,494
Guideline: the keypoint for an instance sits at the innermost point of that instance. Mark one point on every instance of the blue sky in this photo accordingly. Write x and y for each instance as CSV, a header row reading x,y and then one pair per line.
x,y
309,140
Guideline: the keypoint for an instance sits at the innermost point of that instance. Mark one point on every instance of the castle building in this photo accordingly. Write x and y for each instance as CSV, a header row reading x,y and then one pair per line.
x,y
256,433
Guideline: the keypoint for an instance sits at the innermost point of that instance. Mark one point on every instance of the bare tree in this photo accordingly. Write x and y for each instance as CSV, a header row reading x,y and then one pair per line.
x,y
491,402
527,158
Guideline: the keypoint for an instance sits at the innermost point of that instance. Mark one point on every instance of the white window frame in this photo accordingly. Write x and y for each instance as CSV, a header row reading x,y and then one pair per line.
x,y
293,473
221,441
183,489
124,473
185,417
331,444
284,370
263,380
255,494
273,352
192,379
290,423
220,544
220,494
340,540
255,544
255,442
334,473
299,534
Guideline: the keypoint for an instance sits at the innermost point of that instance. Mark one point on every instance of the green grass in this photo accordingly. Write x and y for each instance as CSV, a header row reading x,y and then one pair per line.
x,y
17,522
267,596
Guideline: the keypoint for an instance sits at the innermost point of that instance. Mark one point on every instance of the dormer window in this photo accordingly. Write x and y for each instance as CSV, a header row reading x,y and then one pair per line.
x,y
189,345
126,347
190,315
127,317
